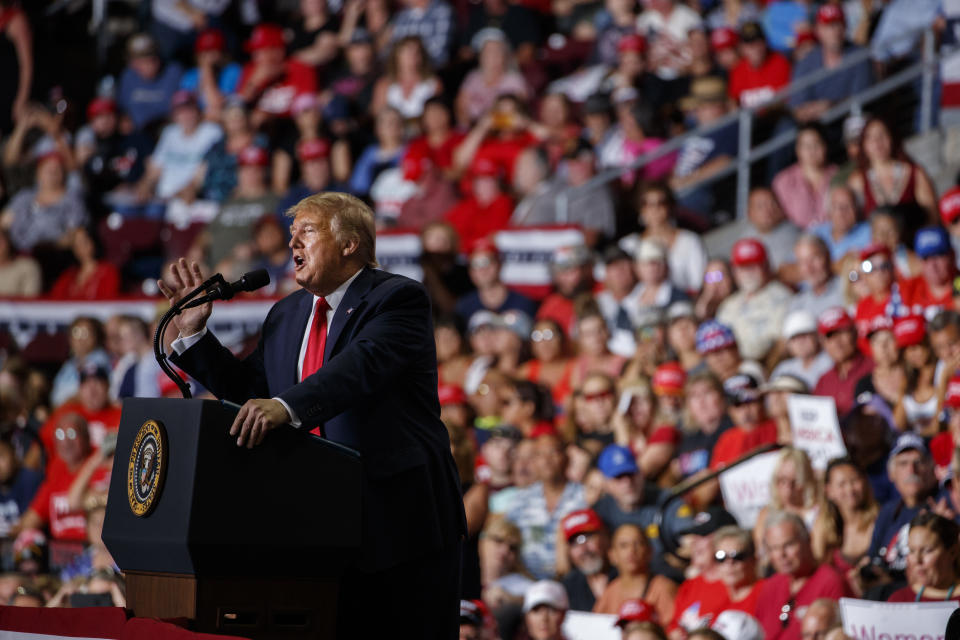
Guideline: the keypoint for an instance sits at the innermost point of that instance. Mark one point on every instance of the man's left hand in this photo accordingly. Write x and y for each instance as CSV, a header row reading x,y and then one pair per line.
x,y
255,419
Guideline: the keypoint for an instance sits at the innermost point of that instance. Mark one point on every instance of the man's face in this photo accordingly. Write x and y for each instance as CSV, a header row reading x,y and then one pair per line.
x,y
316,173
938,270
804,345
549,461
588,552
750,277
626,489
842,209
911,473
840,345
618,277
814,264
484,268
71,440
94,393
317,259
831,35
880,276
723,362
755,52
789,553
747,413
763,210
147,67
568,280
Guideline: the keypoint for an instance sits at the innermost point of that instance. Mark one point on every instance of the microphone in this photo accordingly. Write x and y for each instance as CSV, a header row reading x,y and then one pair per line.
x,y
221,290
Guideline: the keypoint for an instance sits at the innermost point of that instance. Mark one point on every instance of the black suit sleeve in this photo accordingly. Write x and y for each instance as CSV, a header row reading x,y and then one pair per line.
x,y
225,375
395,340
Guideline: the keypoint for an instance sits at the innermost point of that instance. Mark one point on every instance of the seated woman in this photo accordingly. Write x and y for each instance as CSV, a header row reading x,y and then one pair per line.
x,y
551,365
638,427
933,564
802,187
917,410
630,553
844,526
738,586
89,279
593,353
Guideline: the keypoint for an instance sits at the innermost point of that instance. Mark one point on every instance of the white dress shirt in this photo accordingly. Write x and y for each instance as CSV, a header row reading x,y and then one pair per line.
x,y
183,343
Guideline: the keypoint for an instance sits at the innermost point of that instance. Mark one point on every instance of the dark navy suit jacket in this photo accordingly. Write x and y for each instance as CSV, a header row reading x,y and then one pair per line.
x,y
376,393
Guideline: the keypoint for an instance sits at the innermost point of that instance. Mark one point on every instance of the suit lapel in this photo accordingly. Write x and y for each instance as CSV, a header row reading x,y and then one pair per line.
x,y
295,338
352,300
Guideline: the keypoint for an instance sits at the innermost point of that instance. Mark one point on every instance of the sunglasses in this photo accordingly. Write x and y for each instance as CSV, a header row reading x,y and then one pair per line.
x,y
544,335
722,556
870,266
598,395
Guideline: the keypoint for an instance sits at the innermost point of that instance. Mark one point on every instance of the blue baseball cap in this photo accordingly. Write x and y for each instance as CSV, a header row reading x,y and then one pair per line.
x,y
908,441
932,241
713,336
617,460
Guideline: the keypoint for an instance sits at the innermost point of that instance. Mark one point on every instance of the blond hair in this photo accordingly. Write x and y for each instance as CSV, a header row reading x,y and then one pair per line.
x,y
805,478
349,219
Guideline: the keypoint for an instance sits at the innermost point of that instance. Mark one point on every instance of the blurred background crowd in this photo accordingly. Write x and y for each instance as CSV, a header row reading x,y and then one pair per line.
x,y
662,347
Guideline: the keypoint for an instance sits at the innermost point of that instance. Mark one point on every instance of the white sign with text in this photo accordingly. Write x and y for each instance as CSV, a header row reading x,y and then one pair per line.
x,y
868,620
583,625
746,488
816,430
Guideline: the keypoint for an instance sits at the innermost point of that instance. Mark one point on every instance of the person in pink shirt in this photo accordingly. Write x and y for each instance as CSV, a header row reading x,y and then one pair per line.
x,y
803,187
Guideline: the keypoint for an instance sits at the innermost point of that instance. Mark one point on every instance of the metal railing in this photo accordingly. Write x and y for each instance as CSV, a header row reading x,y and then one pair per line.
x,y
747,155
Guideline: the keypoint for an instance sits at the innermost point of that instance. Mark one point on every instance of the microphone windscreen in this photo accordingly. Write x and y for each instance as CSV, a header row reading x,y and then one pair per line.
x,y
254,280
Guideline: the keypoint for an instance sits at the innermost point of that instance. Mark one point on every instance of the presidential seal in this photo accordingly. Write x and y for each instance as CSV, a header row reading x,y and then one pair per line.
x,y
147,468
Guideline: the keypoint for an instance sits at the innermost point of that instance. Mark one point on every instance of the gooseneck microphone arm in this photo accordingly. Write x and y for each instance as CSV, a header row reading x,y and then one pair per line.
x,y
213,288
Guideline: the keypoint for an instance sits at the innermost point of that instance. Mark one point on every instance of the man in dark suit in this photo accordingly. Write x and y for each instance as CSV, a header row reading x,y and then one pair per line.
x,y
352,354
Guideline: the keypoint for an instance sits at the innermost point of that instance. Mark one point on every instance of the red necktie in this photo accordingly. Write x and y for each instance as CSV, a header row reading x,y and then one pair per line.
x,y
313,358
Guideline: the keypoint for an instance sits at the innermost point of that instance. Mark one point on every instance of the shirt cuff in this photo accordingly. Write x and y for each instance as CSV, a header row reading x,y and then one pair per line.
x,y
183,343
294,420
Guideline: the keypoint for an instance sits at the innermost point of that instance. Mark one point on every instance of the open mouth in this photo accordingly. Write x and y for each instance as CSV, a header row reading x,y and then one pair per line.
x,y
298,261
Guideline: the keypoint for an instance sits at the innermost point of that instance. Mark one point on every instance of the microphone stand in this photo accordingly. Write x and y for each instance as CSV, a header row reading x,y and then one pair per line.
x,y
176,309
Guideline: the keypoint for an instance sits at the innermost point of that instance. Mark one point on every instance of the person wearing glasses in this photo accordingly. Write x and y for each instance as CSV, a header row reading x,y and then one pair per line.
x,y
933,562
885,296
798,581
586,549
502,574
550,365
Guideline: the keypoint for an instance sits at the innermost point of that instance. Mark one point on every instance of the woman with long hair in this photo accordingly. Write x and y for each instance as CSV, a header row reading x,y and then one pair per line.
x,y
551,364
933,561
887,176
409,81
793,488
844,526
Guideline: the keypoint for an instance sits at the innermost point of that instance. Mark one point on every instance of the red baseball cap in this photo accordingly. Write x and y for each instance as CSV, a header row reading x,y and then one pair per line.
x,y
210,40
877,323
873,249
723,38
748,251
952,399
100,106
451,394
833,319
632,42
909,331
635,611
313,150
950,206
265,36
485,167
669,379
581,521
182,98
829,14
252,156
484,245
804,36
543,429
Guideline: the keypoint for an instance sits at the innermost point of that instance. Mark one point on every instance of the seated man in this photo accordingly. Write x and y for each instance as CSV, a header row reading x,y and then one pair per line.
x,y
798,581
839,338
588,545
807,361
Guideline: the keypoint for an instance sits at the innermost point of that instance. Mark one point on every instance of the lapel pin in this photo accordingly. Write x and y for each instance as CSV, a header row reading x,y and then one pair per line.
x,y
350,310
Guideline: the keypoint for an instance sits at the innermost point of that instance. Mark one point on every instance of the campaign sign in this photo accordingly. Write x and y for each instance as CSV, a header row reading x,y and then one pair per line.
x,y
746,488
868,620
582,625
816,430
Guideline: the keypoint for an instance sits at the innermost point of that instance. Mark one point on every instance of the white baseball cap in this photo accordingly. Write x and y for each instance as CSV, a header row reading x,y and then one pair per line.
x,y
650,250
737,625
548,592
798,323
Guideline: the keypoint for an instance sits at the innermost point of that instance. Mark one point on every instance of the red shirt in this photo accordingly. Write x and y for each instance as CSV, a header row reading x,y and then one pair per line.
x,y
737,441
52,506
906,594
102,284
699,601
826,582
421,157
917,295
474,221
99,424
277,95
753,86
504,151
867,309
841,389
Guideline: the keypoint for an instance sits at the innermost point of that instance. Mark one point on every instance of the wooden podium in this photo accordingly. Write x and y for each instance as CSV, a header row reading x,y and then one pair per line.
x,y
248,542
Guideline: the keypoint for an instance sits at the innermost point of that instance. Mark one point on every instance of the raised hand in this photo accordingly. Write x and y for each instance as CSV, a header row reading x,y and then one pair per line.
x,y
178,282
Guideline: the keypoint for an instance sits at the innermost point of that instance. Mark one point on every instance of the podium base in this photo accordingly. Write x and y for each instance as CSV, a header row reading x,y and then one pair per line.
x,y
256,608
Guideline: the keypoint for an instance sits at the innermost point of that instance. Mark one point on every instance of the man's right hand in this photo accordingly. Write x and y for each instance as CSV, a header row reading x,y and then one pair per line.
x,y
181,280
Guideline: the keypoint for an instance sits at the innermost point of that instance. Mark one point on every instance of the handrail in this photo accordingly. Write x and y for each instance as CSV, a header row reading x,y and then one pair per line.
x,y
745,116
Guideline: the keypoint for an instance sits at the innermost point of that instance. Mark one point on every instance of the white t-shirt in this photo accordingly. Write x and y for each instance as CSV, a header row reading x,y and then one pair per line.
x,y
179,155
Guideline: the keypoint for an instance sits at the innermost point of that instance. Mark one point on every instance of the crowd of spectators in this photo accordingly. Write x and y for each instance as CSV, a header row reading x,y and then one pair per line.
x,y
668,344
